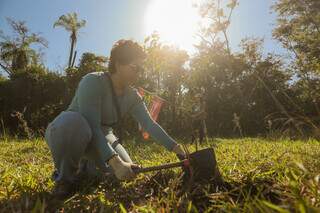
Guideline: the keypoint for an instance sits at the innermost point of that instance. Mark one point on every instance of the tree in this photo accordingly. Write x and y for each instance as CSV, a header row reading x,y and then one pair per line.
x,y
71,23
267,83
154,63
32,98
298,29
165,74
16,53
244,85
89,62
213,12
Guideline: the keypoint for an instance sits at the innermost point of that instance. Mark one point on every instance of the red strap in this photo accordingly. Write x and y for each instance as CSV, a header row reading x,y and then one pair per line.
x,y
186,163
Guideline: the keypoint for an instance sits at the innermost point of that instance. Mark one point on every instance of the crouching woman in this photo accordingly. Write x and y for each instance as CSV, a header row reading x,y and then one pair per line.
x,y
81,139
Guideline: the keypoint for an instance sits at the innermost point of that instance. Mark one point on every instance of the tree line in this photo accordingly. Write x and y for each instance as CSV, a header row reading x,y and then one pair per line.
x,y
246,93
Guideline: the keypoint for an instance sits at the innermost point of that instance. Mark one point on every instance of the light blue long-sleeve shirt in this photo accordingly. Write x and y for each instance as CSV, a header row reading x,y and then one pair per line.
x,y
93,99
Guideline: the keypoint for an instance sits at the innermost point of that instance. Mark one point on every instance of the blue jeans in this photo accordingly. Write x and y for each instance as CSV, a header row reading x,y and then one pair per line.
x,y
68,137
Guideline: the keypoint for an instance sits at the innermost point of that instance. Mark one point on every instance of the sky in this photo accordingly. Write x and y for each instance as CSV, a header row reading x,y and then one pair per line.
x,y
111,20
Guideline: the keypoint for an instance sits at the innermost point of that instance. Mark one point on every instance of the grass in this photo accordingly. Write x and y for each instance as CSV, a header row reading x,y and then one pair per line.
x,y
260,176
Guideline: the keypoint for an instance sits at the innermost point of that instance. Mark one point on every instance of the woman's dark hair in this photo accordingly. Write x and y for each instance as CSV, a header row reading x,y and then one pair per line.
x,y
124,52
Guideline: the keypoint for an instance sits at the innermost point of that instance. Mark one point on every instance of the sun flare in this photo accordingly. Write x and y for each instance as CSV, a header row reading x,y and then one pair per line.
x,y
176,21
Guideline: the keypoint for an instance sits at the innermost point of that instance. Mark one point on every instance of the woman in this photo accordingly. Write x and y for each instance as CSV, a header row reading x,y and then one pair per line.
x,y
81,140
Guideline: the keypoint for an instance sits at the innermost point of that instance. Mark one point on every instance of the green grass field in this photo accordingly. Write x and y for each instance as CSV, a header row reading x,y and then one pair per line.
x,y
262,176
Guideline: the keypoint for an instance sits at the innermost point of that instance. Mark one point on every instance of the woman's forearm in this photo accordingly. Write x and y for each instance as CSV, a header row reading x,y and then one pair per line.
x,y
141,114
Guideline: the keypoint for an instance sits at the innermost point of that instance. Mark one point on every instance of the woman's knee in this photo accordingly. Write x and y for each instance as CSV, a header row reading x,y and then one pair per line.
x,y
69,131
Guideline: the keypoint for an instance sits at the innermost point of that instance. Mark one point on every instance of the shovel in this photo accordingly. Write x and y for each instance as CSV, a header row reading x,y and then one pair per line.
x,y
200,166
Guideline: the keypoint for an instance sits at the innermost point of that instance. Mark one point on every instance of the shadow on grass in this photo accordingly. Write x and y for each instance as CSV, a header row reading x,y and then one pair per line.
x,y
160,190
25,202
234,194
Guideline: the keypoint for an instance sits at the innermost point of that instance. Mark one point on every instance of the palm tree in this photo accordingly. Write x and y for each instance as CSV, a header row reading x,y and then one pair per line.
x,y
71,24
16,53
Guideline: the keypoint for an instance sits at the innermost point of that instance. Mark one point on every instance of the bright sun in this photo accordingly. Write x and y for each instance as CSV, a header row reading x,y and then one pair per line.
x,y
176,21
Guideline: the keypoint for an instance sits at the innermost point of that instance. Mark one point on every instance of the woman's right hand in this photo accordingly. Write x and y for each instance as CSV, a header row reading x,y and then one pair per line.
x,y
122,169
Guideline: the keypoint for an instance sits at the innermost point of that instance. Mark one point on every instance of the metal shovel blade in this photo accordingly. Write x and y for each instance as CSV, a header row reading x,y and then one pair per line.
x,y
204,166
